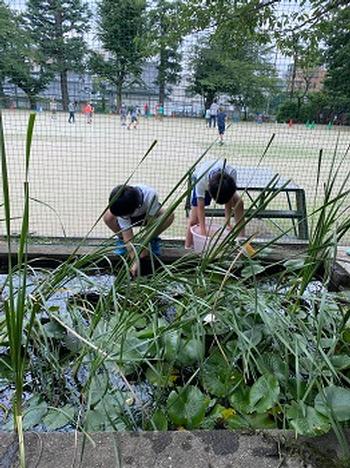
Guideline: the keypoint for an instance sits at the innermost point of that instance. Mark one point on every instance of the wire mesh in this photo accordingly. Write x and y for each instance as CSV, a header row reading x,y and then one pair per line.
x,y
75,165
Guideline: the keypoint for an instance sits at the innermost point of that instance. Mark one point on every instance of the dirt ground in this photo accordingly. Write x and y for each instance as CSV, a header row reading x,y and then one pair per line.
x,y
74,166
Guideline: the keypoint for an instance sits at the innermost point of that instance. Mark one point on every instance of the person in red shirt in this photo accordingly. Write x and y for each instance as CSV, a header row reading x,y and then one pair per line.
x,y
88,111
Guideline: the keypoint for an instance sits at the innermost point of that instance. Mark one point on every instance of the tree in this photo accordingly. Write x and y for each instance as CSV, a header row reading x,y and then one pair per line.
x,y
18,57
122,31
9,39
242,73
337,55
166,39
57,27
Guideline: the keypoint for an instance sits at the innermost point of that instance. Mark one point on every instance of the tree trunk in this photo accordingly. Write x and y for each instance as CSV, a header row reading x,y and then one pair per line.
x,y
2,96
119,96
208,100
161,75
32,101
294,74
64,89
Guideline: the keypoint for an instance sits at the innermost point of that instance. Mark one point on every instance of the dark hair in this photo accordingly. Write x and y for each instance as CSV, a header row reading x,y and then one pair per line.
x,y
222,187
124,200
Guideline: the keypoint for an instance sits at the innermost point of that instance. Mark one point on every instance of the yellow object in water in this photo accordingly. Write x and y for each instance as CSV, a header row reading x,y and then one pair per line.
x,y
249,249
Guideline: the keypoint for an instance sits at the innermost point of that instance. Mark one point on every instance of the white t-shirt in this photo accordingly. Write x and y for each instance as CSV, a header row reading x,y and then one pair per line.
x,y
149,206
204,172
214,108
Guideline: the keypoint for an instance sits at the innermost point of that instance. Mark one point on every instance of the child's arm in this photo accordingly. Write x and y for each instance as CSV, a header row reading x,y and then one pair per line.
x,y
236,205
238,210
201,215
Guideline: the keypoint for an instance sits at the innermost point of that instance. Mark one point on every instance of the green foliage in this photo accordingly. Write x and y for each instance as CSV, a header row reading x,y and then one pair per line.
x,y
166,38
187,406
243,73
57,29
337,61
122,31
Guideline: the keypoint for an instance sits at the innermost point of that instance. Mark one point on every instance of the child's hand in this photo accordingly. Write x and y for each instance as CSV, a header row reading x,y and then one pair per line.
x,y
134,270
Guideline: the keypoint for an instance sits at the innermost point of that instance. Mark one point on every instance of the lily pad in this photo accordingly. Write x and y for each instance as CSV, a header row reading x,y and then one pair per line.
x,y
218,376
334,401
264,393
187,406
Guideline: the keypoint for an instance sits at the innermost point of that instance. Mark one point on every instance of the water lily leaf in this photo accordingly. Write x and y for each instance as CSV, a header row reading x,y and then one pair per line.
x,y
98,388
342,361
219,414
161,376
294,264
187,406
255,421
264,393
171,342
272,363
250,338
252,269
34,414
239,399
219,377
54,330
190,352
305,420
57,418
334,401
158,421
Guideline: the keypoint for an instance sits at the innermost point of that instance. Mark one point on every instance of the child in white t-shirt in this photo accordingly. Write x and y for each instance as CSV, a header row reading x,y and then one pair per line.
x,y
213,180
131,206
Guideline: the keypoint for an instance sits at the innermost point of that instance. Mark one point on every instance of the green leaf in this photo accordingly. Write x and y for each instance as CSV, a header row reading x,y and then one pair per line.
x,y
218,376
272,363
158,421
252,269
305,420
187,406
264,393
57,418
190,352
294,264
34,414
98,388
334,401
340,362
240,399
171,342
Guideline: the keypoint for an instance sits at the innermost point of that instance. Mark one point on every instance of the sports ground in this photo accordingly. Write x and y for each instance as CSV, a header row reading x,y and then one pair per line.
x,y
74,166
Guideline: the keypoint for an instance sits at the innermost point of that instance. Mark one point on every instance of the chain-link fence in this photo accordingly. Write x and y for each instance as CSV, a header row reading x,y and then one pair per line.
x,y
101,104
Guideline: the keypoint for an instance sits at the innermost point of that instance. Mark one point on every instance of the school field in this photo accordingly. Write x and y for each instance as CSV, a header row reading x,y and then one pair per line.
x,y
74,166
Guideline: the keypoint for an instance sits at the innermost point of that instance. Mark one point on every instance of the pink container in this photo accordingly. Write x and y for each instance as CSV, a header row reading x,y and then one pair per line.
x,y
216,235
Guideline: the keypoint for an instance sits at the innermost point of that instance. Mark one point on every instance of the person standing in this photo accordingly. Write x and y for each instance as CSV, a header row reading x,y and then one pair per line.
x,y
123,115
213,114
53,108
133,118
71,109
88,111
207,117
221,118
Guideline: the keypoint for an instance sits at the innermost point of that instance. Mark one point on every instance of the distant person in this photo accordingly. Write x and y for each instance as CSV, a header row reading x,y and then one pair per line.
x,y
133,118
213,114
221,121
88,111
72,107
207,117
146,110
123,115
131,206
53,108
213,180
